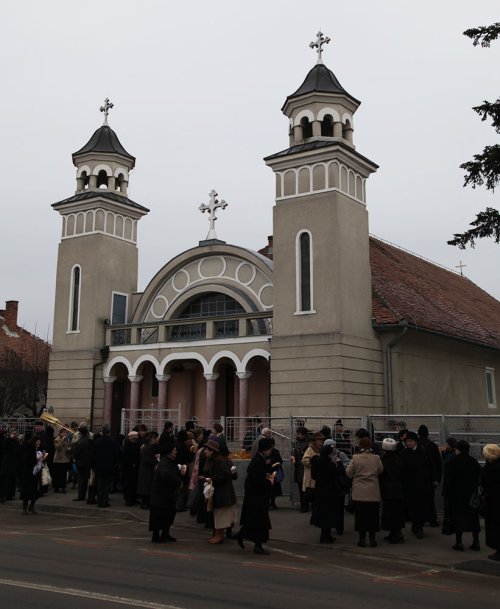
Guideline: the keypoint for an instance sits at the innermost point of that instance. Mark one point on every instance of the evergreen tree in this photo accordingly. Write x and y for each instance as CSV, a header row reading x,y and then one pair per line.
x,y
485,167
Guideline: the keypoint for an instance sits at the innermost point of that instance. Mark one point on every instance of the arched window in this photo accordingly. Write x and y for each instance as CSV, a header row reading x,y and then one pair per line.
x,y
102,179
85,180
212,304
304,272
307,128
74,300
327,126
120,178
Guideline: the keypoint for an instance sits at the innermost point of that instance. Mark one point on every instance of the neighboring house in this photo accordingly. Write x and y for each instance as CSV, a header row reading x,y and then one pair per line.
x,y
324,320
24,363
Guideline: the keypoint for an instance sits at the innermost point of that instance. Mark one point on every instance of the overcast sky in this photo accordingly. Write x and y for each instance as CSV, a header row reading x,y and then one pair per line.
x,y
198,87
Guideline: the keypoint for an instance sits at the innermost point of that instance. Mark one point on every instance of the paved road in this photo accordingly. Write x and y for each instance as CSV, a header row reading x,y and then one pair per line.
x,y
58,560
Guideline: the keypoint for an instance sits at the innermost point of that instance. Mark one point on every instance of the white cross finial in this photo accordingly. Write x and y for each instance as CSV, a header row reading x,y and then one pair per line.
x,y
212,207
461,267
318,44
106,108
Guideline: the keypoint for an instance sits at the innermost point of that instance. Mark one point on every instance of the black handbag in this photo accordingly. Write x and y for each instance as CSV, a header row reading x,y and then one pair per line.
x,y
478,502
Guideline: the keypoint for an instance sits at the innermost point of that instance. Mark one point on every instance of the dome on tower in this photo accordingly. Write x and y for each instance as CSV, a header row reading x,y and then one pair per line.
x,y
320,80
104,140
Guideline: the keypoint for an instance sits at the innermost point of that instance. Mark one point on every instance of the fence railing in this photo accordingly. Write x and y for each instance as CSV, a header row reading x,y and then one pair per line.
x,y
153,418
19,424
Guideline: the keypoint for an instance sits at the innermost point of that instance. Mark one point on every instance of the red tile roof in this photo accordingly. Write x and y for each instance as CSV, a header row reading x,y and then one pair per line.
x,y
426,296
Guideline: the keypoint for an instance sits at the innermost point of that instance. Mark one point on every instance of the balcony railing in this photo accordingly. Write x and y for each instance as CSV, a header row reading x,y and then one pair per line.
x,y
250,324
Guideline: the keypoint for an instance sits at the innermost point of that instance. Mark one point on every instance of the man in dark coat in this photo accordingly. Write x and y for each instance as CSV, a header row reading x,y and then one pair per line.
x,y
419,480
391,491
10,467
104,457
461,480
300,446
325,472
167,480
254,521
490,483
433,453
131,454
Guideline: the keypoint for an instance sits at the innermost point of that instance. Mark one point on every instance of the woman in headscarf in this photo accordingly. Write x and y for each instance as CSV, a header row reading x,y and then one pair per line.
x,y
490,483
391,491
364,469
254,521
147,464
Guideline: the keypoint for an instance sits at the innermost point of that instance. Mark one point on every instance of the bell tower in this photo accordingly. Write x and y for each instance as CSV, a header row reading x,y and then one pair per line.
x,y
322,316
97,268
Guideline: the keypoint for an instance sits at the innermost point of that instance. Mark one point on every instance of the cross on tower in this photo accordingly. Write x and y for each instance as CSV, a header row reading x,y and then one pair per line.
x,y
318,44
212,207
461,267
106,108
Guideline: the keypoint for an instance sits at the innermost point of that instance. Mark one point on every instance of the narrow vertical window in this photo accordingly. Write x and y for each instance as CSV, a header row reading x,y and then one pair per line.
x,y
490,388
74,314
304,264
119,309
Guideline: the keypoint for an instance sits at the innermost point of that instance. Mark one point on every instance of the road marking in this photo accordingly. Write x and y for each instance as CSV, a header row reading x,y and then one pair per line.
x,y
80,544
87,526
87,594
286,553
274,567
167,553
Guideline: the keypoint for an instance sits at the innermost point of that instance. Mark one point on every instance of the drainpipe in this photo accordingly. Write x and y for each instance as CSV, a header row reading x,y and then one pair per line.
x,y
389,347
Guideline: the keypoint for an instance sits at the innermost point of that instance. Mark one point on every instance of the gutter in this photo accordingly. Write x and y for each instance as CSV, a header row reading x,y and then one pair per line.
x,y
388,354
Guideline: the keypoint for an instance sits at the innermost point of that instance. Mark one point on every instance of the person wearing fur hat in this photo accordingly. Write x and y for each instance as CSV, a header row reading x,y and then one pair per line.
x,y
419,481
391,491
166,483
131,456
341,461
364,469
490,483
254,521
462,476
218,471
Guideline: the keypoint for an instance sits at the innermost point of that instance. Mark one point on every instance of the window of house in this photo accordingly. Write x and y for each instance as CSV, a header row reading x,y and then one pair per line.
x,y
119,309
490,387
304,272
74,308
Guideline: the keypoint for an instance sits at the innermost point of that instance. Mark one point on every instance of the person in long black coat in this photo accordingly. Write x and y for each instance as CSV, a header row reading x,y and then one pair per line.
x,y
254,521
30,478
461,481
391,491
147,464
131,454
433,453
419,480
324,471
104,457
10,467
167,480
490,483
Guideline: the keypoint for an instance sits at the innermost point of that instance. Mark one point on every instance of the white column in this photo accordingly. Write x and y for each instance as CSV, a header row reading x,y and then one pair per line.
x,y
243,405
211,384
135,386
108,398
162,390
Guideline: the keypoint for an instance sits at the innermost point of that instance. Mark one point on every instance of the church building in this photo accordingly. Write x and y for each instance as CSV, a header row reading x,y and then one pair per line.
x,y
324,320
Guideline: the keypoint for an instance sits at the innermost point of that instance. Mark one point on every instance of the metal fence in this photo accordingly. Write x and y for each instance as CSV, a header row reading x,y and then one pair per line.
x,y
153,418
19,424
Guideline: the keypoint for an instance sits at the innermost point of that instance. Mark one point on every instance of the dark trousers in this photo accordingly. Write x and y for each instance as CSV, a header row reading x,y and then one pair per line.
x,y
103,484
59,475
82,474
7,486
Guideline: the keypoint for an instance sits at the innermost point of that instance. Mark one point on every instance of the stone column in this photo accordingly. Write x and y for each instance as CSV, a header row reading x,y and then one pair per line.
x,y
108,398
189,369
211,381
135,386
162,390
316,128
298,134
243,405
111,183
337,129
93,181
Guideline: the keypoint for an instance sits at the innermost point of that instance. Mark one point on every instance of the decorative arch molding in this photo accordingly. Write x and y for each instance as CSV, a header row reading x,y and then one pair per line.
x,y
180,356
81,169
123,171
347,117
146,358
250,355
328,110
102,167
118,225
303,114
119,359
245,274
221,355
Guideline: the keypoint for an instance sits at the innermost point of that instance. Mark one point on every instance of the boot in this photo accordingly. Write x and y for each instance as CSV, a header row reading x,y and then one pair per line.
x,y
495,556
373,541
362,539
166,537
259,549
458,542
218,537
155,538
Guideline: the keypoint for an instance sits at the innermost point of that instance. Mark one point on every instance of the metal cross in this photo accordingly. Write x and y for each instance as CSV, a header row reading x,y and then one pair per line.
x,y
461,267
318,44
106,108
212,207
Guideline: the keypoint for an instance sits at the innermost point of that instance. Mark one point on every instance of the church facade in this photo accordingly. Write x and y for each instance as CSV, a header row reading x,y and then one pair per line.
x,y
325,320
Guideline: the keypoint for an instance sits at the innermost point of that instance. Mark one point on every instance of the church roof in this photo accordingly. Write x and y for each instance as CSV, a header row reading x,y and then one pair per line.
x,y
104,140
409,290
315,145
106,194
322,80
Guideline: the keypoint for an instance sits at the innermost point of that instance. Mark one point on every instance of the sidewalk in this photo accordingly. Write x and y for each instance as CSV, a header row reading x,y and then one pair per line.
x,y
292,527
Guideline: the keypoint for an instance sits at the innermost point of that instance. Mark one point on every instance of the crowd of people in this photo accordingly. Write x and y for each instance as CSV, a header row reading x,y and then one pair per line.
x,y
386,484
